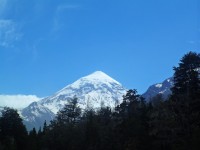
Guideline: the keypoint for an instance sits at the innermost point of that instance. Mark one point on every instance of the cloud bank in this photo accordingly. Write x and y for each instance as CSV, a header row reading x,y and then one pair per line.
x,y
17,101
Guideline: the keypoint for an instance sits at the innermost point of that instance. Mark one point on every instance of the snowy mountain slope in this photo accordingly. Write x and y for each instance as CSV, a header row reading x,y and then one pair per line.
x,y
159,88
93,91
35,114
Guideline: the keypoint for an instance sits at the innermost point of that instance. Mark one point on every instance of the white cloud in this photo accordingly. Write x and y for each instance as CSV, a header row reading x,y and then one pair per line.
x,y
17,101
8,33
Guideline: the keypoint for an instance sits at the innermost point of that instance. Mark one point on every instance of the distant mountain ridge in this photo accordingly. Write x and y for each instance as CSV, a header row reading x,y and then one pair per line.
x,y
93,91
163,88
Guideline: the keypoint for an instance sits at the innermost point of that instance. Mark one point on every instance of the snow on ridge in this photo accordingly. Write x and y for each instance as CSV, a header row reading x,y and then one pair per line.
x,y
85,88
159,85
98,77
93,90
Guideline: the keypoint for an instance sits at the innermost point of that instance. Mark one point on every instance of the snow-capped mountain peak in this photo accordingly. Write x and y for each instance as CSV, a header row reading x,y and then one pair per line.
x,y
99,76
95,88
92,91
95,79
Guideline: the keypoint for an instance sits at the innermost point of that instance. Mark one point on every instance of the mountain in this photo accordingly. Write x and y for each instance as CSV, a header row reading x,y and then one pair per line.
x,y
91,91
159,88
35,114
163,88
94,90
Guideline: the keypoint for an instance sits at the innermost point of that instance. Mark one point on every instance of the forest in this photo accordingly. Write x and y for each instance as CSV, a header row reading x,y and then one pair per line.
x,y
135,124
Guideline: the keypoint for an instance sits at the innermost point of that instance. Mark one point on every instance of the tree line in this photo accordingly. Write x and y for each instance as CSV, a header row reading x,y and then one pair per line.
x,y
172,124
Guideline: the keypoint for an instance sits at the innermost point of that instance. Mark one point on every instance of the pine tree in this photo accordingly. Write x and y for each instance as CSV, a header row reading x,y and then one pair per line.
x,y
91,129
186,76
63,131
45,127
131,123
33,141
13,133
161,122
185,98
70,112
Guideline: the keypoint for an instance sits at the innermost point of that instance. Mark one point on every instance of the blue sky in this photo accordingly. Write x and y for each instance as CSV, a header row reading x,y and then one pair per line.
x,y
47,44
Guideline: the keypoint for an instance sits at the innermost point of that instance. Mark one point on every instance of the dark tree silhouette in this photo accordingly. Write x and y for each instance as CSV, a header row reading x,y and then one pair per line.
x,y
13,133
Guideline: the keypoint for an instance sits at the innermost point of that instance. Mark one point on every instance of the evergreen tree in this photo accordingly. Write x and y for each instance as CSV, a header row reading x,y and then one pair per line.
x,y
105,127
186,76
13,133
70,112
91,129
33,140
185,99
45,127
161,123
63,131
131,122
